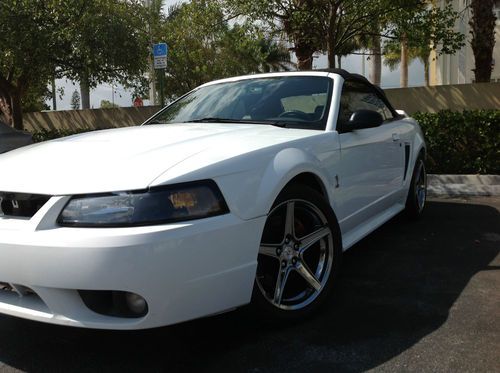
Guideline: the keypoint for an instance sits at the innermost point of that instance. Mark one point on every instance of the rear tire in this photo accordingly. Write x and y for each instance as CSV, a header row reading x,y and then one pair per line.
x,y
417,195
299,255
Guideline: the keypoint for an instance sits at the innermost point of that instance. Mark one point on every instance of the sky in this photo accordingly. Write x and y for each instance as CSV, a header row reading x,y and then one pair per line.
x,y
122,97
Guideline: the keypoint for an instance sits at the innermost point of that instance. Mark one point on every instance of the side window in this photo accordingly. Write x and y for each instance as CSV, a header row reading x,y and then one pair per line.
x,y
358,96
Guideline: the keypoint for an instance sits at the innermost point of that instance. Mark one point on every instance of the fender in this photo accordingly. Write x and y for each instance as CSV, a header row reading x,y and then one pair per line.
x,y
265,184
288,164
417,146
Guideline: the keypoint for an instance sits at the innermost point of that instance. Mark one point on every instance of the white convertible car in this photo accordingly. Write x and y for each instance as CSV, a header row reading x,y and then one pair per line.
x,y
245,190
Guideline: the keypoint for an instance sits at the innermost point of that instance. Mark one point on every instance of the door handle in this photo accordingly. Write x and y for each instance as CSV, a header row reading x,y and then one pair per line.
x,y
395,137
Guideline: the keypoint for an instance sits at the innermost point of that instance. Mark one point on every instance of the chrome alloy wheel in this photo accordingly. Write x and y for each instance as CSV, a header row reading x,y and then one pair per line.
x,y
295,255
421,186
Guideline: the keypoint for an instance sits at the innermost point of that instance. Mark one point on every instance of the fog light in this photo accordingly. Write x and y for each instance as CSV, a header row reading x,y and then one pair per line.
x,y
136,303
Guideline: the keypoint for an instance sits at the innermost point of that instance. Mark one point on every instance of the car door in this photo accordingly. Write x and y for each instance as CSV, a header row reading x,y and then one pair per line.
x,y
372,159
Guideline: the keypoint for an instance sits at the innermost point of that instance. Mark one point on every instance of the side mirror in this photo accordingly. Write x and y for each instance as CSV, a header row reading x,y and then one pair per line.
x,y
364,119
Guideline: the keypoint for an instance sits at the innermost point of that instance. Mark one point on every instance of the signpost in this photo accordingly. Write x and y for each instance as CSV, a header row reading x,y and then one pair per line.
x,y
160,52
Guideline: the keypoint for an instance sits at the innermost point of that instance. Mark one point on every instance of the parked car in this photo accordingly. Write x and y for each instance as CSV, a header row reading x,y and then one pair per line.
x,y
245,190
12,139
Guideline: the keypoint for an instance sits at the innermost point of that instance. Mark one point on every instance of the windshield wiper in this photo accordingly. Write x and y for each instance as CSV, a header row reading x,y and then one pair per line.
x,y
208,120
229,120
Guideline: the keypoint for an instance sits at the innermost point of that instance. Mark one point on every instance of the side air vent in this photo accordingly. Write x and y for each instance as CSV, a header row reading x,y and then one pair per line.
x,y
21,204
407,160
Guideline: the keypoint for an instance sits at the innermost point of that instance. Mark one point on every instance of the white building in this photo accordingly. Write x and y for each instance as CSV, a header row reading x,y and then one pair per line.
x,y
457,68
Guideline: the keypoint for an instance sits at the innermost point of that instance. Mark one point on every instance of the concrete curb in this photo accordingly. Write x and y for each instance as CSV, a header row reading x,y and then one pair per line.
x,y
463,185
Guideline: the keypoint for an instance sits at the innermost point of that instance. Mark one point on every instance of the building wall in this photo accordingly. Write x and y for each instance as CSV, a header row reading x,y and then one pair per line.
x,y
457,68
87,119
457,97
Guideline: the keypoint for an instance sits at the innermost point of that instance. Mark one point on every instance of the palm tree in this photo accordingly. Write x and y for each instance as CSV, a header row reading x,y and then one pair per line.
x,y
276,56
394,57
483,37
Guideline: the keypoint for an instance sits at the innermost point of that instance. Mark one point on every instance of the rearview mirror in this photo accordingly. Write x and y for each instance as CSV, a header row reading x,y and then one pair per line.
x,y
364,119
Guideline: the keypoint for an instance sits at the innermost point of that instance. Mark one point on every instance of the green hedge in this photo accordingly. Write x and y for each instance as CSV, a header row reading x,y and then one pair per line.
x,y
457,142
465,142
45,135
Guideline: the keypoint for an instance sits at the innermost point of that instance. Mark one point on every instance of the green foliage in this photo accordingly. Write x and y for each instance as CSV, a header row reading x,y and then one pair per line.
x,y
426,27
204,45
108,42
92,41
276,56
298,20
105,104
34,98
31,37
339,27
462,142
45,135
352,24
422,28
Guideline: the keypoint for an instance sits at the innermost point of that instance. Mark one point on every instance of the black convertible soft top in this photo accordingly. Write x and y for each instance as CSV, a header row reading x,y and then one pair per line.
x,y
360,78
352,77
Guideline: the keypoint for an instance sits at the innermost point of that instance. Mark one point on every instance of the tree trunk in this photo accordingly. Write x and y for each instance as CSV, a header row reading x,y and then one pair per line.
x,y
483,38
85,93
11,108
339,59
16,110
54,93
404,63
304,57
331,41
331,57
376,61
426,73
5,115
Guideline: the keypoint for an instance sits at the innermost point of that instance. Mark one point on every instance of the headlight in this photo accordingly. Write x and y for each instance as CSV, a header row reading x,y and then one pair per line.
x,y
179,202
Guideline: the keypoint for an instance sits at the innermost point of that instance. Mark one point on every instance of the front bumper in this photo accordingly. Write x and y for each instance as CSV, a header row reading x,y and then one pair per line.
x,y
183,270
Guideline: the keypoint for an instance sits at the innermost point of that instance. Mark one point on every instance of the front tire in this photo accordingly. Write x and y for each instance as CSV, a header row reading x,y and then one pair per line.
x,y
299,255
417,195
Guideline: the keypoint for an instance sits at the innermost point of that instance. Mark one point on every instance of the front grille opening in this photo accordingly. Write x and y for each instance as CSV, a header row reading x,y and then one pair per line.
x,y
115,303
21,204
5,287
20,290
22,296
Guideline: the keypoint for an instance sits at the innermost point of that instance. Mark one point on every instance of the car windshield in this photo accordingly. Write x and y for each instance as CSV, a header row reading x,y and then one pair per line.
x,y
287,101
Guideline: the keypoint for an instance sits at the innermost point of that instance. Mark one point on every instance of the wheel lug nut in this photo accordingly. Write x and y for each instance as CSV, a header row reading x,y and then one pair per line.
x,y
278,251
283,263
287,240
296,246
294,260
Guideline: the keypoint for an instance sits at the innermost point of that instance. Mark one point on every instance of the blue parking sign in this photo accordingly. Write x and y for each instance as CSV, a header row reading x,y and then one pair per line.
x,y
160,50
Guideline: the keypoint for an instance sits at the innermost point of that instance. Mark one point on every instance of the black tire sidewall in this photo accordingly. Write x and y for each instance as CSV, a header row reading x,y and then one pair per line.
x,y
412,209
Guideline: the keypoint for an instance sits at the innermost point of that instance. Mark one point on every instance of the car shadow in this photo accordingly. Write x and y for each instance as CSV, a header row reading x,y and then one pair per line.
x,y
396,287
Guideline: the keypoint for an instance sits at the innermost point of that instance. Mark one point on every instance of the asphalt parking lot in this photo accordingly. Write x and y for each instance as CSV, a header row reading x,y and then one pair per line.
x,y
413,297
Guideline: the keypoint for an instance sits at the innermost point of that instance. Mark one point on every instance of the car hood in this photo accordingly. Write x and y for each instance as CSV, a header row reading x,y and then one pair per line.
x,y
130,158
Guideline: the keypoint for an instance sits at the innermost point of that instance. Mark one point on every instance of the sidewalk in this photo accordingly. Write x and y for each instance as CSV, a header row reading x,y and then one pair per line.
x,y
463,185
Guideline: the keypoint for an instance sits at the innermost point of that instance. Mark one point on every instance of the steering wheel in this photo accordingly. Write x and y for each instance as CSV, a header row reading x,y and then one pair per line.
x,y
293,114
